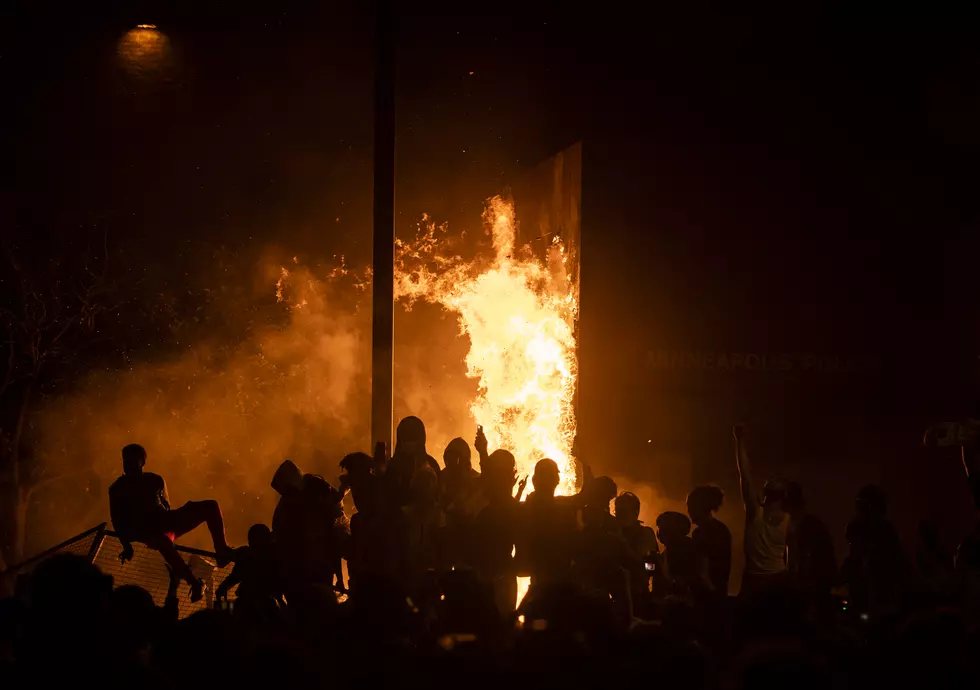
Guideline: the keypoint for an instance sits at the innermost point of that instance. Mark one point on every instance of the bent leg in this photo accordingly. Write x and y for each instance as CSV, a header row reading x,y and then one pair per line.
x,y
195,513
173,559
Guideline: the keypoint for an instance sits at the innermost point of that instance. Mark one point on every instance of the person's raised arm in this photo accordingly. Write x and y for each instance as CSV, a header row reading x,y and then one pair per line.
x,y
234,578
482,447
521,485
971,464
744,473
966,435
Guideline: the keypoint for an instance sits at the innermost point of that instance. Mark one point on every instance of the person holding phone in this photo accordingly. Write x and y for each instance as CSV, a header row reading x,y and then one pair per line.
x,y
642,541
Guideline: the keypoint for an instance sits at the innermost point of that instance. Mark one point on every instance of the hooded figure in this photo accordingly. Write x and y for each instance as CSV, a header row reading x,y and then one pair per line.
x,y
303,524
409,457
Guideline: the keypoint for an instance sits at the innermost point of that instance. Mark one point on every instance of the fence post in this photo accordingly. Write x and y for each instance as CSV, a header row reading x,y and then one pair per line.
x,y
97,542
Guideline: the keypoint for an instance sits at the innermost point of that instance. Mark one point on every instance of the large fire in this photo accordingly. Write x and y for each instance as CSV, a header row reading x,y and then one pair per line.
x,y
518,312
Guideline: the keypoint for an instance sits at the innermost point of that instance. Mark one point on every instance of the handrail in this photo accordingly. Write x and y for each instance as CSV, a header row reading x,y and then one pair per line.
x,y
185,549
54,549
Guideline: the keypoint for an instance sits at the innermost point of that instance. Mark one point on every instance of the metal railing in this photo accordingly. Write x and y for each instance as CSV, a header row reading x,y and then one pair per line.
x,y
147,569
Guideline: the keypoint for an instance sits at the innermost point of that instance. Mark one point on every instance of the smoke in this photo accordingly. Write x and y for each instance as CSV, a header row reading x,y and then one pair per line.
x,y
287,379
653,502
218,420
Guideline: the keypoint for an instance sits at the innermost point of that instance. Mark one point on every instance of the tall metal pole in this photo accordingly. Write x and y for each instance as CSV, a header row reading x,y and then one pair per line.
x,y
382,341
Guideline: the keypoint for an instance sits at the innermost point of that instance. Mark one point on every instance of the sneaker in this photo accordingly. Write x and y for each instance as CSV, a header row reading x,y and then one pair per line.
x,y
224,556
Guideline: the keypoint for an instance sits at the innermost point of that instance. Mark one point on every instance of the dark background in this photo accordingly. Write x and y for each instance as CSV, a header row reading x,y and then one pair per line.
x,y
775,182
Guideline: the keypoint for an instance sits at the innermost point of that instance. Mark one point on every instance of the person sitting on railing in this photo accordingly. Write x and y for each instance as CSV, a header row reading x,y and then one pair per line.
x,y
140,511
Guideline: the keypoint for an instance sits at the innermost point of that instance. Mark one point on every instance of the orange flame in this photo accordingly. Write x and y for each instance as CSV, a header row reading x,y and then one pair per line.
x,y
519,314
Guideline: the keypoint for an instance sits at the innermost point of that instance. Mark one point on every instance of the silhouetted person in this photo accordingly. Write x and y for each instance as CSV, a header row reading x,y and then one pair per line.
x,y
70,620
372,550
711,537
325,529
409,457
422,532
360,476
875,566
810,555
604,563
494,533
599,493
289,523
642,541
766,525
544,548
140,511
968,552
458,476
303,526
138,624
679,572
966,437
258,575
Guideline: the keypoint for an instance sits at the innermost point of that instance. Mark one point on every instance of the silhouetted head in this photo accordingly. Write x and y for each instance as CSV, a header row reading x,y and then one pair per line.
x,y
136,616
288,479
456,457
795,502
546,477
133,600
410,436
601,490
703,501
259,536
627,507
71,589
134,458
871,502
672,526
357,464
773,494
500,473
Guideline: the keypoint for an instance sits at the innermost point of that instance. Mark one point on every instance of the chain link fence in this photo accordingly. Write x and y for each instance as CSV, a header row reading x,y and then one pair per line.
x,y
147,569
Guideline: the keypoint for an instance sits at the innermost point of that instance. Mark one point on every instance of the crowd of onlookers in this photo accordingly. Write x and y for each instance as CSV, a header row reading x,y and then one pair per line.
x,y
433,555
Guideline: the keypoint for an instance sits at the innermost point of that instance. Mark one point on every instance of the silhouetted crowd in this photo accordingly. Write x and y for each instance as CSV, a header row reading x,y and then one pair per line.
x,y
433,556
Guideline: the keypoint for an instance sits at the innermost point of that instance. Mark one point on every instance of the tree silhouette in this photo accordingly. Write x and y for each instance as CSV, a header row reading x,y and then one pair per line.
x,y
51,311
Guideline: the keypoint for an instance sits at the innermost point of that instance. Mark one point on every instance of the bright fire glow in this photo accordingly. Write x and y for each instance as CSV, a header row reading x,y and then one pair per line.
x,y
519,314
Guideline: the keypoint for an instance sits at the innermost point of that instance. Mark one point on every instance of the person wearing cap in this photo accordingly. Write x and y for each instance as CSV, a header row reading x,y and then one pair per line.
x,y
766,526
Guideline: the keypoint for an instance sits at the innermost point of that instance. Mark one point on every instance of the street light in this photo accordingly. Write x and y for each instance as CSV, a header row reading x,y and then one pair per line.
x,y
144,51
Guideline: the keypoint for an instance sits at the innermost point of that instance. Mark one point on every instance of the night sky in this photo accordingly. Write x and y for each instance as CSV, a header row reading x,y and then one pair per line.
x,y
785,182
